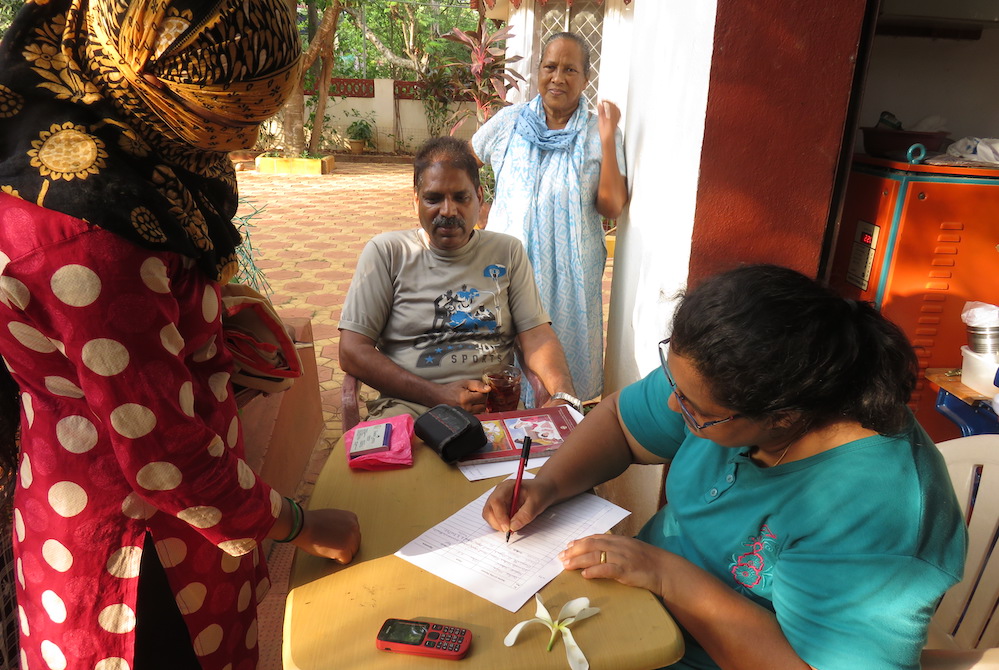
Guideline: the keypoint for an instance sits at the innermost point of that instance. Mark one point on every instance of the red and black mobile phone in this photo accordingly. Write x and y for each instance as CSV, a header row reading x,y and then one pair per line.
x,y
424,638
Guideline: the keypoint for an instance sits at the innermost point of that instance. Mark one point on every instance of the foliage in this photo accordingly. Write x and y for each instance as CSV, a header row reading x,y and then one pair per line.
x,y
487,178
403,145
8,8
361,126
326,142
360,130
437,91
248,272
483,74
408,37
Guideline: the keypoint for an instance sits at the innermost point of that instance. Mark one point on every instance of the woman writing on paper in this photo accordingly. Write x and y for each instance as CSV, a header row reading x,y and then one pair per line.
x,y
137,523
810,520
559,172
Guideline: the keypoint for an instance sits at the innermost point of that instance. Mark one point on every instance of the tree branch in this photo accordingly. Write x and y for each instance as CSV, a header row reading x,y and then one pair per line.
x,y
324,36
378,44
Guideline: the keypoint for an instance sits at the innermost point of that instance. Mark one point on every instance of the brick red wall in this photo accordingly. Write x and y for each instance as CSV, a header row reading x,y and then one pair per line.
x,y
779,89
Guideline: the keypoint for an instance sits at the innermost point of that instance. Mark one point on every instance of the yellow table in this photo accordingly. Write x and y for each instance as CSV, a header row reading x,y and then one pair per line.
x,y
334,612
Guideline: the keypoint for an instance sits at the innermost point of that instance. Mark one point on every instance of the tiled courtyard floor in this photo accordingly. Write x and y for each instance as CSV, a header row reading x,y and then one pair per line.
x,y
307,236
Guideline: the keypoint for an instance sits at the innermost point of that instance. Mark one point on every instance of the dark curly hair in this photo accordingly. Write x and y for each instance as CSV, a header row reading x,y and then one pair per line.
x,y
767,339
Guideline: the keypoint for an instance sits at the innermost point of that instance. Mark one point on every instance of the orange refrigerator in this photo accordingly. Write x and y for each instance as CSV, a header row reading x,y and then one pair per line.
x,y
919,241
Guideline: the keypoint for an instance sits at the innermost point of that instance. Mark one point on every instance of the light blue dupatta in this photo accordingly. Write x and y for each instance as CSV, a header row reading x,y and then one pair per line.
x,y
540,188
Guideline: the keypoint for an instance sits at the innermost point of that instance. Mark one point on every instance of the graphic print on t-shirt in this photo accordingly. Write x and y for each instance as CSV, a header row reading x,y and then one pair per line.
x,y
466,328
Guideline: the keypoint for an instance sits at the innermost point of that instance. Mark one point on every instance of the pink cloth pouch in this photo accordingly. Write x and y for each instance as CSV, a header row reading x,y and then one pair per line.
x,y
399,453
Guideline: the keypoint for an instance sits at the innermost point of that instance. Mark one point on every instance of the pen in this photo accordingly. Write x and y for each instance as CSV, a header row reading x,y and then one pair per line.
x,y
524,455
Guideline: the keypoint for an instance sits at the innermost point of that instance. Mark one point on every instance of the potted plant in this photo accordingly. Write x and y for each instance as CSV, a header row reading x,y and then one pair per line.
x,y
359,134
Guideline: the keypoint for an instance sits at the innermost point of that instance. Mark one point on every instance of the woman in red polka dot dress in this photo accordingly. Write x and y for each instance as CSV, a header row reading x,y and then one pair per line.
x,y
136,521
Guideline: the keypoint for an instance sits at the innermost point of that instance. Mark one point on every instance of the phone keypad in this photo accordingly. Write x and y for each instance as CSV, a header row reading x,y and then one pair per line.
x,y
447,638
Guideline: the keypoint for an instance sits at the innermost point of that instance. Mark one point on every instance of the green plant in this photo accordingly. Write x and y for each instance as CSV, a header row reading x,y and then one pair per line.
x,y
487,178
8,8
396,40
436,93
401,145
249,273
485,76
311,111
361,126
360,130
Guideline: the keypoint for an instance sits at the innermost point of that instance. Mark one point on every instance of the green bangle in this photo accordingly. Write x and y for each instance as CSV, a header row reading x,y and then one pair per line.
x,y
297,522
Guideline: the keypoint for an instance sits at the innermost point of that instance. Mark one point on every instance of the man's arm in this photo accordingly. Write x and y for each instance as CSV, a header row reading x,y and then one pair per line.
x,y
360,358
544,356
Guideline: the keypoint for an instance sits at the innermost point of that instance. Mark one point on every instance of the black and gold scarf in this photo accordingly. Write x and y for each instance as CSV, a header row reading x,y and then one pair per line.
x,y
121,112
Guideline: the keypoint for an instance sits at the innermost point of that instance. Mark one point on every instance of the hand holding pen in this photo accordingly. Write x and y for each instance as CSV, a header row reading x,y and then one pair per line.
x,y
525,454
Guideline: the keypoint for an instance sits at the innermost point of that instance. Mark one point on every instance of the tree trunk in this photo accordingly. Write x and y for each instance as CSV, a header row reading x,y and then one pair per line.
x,y
322,46
323,94
293,113
313,29
323,40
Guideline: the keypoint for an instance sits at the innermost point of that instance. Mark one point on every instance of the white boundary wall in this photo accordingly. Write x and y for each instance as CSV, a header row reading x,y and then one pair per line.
x,y
411,130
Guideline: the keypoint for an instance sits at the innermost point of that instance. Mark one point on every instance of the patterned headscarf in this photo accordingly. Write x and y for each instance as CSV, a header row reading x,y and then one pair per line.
x,y
121,112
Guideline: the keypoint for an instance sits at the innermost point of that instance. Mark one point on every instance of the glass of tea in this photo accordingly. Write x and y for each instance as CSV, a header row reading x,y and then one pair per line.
x,y
504,388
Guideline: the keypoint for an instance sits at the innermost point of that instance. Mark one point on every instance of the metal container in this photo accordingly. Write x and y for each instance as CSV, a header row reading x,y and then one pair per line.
x,y
983,339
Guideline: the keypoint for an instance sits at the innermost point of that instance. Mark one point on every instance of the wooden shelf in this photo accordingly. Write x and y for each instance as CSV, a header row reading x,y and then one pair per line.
x,y
949,379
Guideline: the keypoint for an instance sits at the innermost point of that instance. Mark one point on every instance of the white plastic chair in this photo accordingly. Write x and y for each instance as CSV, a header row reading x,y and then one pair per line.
x,y
964,633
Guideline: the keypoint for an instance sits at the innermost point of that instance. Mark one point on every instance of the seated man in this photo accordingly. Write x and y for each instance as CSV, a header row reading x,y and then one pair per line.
x,y
430,309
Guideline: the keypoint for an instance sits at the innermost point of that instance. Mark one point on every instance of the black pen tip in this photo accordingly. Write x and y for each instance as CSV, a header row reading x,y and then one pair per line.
x,y
507,536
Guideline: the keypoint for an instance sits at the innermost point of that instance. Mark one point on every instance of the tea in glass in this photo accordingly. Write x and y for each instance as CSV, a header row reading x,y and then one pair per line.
x,y
504,388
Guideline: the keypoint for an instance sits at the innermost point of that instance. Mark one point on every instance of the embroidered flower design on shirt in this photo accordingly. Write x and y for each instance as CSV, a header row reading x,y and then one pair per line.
x,y
754,568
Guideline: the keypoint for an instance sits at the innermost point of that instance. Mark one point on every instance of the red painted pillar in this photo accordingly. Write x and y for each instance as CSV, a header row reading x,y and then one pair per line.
x,y
781,78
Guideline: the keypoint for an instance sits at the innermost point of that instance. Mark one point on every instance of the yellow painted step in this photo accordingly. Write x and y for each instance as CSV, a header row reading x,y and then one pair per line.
x,y
281,165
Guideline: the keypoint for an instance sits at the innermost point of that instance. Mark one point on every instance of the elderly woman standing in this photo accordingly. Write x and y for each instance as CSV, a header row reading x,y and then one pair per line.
x,y
559,172
137,523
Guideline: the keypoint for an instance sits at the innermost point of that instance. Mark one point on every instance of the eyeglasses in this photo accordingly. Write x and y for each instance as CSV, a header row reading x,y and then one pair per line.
x,y
681,400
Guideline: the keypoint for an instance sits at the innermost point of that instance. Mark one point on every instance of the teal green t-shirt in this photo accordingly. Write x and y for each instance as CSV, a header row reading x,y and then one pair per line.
x,y
851,548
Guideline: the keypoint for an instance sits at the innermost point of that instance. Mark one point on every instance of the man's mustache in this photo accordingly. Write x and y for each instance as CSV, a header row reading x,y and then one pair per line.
x,y
448,222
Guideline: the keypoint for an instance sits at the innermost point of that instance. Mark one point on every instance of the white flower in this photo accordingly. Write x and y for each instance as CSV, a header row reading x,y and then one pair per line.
x,y
574,610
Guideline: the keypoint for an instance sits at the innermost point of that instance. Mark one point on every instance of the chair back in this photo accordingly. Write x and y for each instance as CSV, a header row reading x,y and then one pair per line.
x,y
965,614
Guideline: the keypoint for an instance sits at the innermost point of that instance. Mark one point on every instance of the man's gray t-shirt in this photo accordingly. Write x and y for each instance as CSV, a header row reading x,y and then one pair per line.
x,y
443,315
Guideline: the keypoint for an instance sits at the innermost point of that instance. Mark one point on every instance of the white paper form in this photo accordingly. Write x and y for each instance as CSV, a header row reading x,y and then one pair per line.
x,y
475,471
467,552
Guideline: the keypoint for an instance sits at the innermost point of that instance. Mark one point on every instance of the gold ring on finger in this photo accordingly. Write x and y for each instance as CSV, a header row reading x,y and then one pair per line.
x,y
603,556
